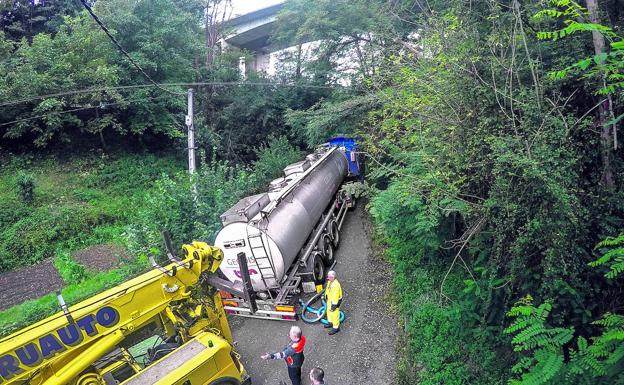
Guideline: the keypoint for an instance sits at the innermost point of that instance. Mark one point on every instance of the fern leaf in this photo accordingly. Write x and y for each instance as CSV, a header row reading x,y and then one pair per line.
x,y
548,367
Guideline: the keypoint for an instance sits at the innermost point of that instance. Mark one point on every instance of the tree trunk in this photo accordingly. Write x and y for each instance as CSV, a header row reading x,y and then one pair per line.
x,y
101,134
217,12
298,69
603,110
209,30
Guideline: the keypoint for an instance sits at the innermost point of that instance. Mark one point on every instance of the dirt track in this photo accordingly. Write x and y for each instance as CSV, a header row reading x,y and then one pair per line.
x,y
363,352
28,283
35,281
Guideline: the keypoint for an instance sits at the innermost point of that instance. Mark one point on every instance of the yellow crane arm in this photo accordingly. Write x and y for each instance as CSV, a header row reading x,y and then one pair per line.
x,y
67,343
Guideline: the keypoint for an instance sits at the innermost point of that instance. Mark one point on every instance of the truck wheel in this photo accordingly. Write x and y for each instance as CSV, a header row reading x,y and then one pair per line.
x,y
328,250
353,203
318,269
335,233
227,382
90,379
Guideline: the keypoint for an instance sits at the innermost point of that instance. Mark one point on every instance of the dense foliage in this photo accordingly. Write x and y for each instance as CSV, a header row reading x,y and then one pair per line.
x,y
491,140
548,354
63,83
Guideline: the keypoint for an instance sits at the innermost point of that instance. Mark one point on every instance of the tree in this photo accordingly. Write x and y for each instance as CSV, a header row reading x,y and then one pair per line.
x,y
161,36
603,111
217,12
26,18
346,32
76,57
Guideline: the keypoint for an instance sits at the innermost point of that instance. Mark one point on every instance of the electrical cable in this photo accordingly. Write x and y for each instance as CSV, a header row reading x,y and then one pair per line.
x,y
76,109
123,51
159,85
69,93
43,116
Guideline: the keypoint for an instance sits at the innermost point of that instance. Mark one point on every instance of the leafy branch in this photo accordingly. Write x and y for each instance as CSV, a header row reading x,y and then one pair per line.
x,y
544,348
614,258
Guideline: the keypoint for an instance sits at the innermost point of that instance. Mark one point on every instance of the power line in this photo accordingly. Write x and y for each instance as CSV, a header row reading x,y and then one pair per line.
x,y
74,110
44,115
69,93
123,51
160,86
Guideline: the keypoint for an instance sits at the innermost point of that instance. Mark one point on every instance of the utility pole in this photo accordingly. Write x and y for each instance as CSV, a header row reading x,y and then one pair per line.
x,y
191,142
242,67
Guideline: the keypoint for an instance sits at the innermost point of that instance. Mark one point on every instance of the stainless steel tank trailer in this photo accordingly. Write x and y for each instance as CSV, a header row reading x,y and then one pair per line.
x,y
287,235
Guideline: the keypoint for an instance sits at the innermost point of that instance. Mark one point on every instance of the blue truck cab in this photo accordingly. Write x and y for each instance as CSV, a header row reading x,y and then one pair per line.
x,y
350,146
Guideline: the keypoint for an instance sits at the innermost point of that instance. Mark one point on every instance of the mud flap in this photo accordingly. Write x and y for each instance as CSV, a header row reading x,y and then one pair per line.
x,y
248,293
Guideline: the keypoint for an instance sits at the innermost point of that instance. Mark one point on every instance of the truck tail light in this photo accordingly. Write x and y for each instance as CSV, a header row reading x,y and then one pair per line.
x,y
289,309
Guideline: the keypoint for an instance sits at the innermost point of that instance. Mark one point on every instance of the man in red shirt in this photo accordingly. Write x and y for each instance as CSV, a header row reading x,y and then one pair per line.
x,y
293,354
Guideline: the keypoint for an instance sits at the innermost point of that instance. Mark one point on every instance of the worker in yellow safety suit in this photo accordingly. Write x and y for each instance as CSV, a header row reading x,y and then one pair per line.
x,y
333,299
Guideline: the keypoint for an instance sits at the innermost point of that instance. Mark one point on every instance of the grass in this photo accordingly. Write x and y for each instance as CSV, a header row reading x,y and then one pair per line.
x,y
77,203
31,311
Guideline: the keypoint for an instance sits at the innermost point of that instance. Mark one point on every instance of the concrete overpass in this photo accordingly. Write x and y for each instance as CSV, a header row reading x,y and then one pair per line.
x,y
252,32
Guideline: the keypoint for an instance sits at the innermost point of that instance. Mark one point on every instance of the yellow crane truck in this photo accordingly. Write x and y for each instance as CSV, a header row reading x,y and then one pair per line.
x,y
165,327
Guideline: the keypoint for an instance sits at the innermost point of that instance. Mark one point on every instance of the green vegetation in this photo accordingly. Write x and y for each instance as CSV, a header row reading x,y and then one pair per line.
x,y
77,203
26,185
490,131
593,361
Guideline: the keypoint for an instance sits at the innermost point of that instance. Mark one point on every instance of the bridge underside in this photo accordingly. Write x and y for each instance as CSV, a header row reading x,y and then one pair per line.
x,y
256,39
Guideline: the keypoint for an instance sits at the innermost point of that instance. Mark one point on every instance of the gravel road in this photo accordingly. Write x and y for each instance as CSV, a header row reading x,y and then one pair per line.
x,y
364,351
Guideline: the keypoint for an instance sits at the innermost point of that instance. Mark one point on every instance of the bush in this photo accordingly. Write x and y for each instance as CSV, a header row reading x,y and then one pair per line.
x,y
273,158
440,346
26,187
79,203
70,270
170,206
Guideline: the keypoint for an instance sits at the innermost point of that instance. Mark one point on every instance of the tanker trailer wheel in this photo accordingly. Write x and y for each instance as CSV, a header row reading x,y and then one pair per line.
x,y
318,269
335,233
327,249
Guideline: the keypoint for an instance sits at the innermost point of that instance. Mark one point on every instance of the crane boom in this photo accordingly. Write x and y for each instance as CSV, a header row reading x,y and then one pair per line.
x,y
92,342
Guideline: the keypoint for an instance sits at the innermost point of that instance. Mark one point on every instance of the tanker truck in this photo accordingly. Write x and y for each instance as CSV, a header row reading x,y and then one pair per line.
x,y
287,235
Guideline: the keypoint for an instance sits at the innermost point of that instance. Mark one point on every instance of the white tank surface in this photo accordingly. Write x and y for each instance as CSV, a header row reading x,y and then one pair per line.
x,y
271,228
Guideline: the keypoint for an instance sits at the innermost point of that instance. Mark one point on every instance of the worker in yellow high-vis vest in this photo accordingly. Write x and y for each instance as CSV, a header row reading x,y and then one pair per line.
x,y
333,299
